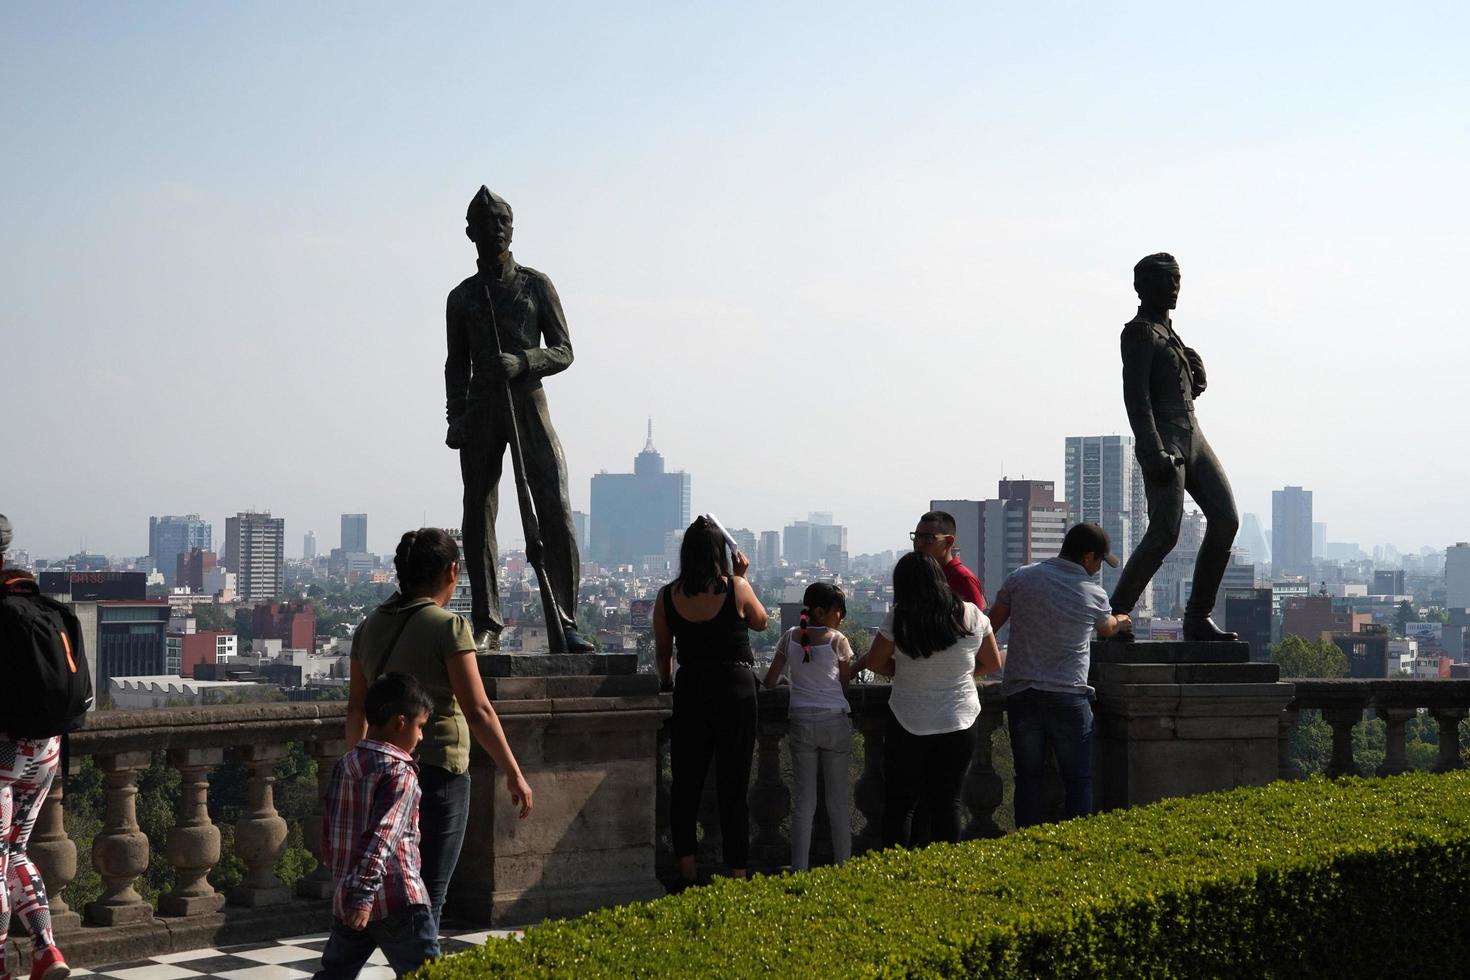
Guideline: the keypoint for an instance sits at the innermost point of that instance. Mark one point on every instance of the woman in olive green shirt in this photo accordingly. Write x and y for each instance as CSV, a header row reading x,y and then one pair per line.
x,y
413,633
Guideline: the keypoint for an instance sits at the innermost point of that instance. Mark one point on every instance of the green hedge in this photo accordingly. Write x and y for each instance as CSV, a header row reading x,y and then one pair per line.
x,y
1356,878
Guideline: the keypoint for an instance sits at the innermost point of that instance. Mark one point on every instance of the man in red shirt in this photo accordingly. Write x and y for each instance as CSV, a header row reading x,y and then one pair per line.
x,y
935,535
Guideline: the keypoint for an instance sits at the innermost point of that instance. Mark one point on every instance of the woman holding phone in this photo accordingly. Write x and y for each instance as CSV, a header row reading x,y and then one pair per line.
x,y
704,618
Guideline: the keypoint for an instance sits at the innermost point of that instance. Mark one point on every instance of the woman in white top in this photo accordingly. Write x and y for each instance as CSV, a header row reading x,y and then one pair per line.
x,y
946,643
817,661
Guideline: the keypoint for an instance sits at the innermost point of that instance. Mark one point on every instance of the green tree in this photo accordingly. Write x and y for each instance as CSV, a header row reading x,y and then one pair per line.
x,y
1303,658
213,618
1404,614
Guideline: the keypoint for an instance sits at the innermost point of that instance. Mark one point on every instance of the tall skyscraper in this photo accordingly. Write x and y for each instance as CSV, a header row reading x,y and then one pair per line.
x,y
1457,576
255,546
170,536
632,513
1291,531
1103,485
308,546
768,550
1023,524
354,534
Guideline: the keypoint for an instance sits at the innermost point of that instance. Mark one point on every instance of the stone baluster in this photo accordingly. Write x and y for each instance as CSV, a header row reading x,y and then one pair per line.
x,y
1286,767
1342,719
1395,755
770,799
193,843
984,790
1449,737
872,722
260,833
55,855
120,851
318,884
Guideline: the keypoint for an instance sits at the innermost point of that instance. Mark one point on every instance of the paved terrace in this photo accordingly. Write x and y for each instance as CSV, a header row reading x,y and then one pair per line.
x,y
595,749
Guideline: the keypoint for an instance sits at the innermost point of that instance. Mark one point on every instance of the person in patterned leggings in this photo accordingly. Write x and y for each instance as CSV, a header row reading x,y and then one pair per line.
x,y
27,767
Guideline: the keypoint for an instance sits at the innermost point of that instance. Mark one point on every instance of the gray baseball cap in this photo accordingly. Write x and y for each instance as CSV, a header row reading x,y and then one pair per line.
x,y
5,534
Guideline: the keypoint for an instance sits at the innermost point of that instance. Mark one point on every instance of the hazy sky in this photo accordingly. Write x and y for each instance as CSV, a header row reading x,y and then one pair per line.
x,y
849,258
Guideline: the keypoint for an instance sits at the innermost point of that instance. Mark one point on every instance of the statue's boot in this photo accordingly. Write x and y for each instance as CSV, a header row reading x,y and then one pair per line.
x,y
487,641
1203,628
577,643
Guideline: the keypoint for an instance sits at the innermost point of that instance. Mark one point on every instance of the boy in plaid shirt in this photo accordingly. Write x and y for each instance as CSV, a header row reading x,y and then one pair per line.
x,y
370,827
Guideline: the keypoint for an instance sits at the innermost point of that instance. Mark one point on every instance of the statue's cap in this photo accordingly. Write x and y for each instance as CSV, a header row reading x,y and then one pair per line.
x,y
1155,263
485,199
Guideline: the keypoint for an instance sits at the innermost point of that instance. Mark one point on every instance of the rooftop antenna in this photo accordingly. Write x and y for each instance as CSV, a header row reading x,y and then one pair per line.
x,y
648,446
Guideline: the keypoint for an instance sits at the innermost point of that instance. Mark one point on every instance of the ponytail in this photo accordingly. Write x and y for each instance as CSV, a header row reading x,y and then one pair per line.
x,y
818,595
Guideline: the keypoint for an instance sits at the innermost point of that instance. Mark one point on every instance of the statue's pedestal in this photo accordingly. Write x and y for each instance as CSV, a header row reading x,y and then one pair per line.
x,y
1177,718
584,729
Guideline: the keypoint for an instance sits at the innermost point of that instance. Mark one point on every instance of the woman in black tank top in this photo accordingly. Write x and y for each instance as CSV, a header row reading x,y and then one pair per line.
x,y
714,693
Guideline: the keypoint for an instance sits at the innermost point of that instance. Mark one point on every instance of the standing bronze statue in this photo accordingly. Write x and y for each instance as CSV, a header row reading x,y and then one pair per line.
x,y
1161,380
498,320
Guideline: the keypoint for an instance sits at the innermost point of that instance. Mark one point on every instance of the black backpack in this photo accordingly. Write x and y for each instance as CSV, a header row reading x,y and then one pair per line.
x,y
47,687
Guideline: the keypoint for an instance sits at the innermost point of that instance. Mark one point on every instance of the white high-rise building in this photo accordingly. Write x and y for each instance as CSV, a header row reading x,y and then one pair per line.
x,y
255,549
1103,485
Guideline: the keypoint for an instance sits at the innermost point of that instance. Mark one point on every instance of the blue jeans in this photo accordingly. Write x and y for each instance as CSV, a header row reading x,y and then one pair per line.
x,y
1040,720
444,813
820,741
407,937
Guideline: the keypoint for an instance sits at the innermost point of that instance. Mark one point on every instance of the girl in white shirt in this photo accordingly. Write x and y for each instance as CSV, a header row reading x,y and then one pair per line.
x,y
817,662
946,643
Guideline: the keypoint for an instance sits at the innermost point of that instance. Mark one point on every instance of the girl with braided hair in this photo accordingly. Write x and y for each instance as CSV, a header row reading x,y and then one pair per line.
x,y
816,660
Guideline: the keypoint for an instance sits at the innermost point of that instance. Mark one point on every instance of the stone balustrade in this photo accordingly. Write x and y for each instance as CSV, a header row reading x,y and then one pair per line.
x,y
121,924
586,741
1345,703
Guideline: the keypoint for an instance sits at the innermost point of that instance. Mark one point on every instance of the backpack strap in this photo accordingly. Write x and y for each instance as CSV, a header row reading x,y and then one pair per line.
x,y
383,660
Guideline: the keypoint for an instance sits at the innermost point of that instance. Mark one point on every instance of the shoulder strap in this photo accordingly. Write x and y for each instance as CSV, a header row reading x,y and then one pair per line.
x,y
383,660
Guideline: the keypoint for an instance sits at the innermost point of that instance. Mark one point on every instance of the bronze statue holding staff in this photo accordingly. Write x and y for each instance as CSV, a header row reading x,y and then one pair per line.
x,y
498,321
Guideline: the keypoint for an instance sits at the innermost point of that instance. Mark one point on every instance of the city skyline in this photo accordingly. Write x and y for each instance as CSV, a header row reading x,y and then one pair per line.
x,y
938,212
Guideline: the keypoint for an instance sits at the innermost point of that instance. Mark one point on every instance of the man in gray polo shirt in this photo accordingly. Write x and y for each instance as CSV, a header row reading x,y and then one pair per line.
x,y
1053,608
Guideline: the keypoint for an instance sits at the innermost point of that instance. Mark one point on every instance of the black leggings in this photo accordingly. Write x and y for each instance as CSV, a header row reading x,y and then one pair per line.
x,y
927,767
714,718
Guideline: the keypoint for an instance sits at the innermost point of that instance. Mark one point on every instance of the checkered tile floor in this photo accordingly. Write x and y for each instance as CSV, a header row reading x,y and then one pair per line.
x,y
286,959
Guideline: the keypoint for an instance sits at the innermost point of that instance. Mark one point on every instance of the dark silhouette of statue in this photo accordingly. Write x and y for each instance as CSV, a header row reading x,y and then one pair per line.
x,y
1161,380
506,327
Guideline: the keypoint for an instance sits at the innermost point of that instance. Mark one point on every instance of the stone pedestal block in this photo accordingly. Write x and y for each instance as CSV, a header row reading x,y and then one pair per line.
x,y
591,761
1175,719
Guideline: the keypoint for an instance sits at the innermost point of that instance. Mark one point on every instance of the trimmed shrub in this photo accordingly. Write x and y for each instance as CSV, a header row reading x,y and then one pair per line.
x,y
1354,878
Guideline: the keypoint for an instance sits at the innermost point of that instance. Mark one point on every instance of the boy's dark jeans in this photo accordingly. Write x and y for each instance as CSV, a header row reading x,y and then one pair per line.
x,y
408,938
